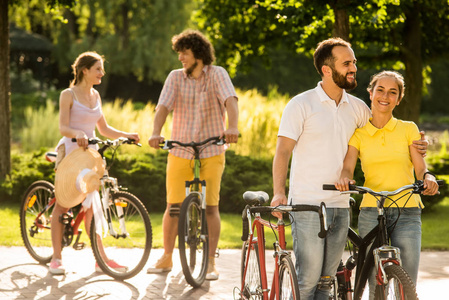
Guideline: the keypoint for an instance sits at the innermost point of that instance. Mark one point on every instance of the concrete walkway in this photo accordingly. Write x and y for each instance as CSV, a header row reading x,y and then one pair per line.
x,y
23,278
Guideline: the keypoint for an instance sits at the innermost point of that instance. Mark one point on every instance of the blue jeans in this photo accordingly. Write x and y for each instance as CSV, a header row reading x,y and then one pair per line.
x,y
316,257
406,235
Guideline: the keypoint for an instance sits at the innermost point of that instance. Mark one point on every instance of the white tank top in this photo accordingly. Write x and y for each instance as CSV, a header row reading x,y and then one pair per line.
x,y
81,118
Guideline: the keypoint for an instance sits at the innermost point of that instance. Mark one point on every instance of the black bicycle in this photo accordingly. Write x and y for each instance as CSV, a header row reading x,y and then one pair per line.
x,y
193,238
393,282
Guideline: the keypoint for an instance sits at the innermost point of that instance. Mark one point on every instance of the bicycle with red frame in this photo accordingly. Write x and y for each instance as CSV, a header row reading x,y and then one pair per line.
x,y
254,283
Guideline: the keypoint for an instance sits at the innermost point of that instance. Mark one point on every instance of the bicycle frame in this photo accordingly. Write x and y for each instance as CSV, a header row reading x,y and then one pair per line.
x,y
380,254
253,233
259,225
73,222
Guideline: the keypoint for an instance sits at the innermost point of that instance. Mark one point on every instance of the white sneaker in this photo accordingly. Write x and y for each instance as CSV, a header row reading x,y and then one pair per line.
x,y
56,267
212,273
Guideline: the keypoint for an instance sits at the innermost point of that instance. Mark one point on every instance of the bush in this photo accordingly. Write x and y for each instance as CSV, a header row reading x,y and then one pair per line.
x,y
143,174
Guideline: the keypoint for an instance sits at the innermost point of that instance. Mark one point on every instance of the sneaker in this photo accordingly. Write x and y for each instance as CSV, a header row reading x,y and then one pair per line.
x,y
112,264
212,273
164,264
56,267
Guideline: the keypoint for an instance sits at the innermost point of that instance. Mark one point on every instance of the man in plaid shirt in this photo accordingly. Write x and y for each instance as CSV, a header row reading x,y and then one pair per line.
x,y
199,95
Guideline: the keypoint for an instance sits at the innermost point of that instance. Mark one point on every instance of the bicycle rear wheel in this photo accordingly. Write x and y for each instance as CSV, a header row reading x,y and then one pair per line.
x,y
128,243
193,241
399,286
288,281
250,272
35,219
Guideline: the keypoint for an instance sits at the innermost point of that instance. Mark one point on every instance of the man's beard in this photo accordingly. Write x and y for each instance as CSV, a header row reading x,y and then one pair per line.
x,y
341,81
190,70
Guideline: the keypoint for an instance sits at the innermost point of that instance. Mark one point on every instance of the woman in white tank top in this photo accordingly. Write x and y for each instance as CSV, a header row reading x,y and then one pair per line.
x,y
79,114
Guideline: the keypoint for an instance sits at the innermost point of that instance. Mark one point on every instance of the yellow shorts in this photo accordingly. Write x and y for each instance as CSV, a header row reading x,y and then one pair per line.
x,y
179,170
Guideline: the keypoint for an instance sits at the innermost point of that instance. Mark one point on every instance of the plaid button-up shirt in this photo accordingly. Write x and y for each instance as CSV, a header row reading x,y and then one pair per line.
x,y
198,107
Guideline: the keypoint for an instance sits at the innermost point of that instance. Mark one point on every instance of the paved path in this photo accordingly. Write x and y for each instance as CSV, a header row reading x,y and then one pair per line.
x,y
22,278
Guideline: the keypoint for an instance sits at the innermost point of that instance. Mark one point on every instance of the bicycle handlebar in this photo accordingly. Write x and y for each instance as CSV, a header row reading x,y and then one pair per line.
x,y
254,199
116,142
216,140
417,188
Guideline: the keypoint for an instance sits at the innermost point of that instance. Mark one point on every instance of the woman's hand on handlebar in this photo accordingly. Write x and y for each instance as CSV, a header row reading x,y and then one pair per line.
x,y
155,140
430,186
133,136
82,140
343,184
278,199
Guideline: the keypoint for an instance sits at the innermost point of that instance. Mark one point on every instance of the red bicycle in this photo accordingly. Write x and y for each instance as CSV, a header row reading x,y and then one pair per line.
x,y
254,283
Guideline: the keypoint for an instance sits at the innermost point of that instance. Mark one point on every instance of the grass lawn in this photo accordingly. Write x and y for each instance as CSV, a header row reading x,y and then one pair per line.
x,y
435,229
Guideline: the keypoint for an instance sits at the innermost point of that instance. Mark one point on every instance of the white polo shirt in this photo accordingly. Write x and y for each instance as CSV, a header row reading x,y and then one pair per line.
x,y
322,131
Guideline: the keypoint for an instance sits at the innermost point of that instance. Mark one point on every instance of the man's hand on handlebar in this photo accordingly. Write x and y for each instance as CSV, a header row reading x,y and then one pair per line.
x,y
343,184
278,199
155,140
231,135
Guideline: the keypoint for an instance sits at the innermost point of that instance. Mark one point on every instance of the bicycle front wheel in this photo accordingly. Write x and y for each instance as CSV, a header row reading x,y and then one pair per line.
x,y
35,219
193,241
125,249
288,282
399,285
250,272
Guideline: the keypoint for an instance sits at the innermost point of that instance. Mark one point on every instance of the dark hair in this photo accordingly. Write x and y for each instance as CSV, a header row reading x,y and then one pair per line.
x,y
323,53
396,75
194,40
84,61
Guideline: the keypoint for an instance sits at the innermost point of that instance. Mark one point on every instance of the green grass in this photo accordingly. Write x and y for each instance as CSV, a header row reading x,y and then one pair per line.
x,y
435,229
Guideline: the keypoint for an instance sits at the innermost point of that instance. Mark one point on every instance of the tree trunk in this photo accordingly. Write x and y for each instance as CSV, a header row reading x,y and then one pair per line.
x,y
341,25
410,107
5,102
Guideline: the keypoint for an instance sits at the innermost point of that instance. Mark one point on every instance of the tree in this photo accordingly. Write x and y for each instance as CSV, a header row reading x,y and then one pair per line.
x,y
401,34
133,35
5,101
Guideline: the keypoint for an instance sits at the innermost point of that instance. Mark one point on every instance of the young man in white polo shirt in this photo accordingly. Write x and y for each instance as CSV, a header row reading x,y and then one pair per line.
x,y
316,126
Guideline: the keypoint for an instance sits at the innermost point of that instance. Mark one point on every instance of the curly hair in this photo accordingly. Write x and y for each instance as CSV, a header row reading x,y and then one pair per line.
x,y
194,40
323,53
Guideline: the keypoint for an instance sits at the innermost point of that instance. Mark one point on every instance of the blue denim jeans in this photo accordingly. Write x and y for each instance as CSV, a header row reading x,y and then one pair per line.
x,y
406,235
316,257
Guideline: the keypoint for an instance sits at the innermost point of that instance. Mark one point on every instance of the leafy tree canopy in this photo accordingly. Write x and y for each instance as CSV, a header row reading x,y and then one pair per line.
x,y
400,34
134,35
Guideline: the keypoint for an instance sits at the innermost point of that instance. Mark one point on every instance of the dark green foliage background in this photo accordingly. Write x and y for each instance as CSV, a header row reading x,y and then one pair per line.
x,y
144,176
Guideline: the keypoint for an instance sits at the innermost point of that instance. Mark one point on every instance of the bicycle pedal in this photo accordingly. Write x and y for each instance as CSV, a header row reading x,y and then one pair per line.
x,y
79,246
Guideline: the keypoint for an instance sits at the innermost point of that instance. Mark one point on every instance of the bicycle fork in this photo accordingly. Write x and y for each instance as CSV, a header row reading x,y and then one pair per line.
x,y
385,255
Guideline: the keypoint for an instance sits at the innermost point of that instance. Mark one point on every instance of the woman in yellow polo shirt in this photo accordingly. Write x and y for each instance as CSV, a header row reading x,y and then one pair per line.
x,y
388,161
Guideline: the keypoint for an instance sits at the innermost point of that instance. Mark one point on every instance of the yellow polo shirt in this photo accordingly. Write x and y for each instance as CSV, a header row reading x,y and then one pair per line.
x,y
385,158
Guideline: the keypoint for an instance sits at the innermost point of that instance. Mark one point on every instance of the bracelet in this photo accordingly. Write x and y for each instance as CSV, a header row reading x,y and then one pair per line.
x,y
424,176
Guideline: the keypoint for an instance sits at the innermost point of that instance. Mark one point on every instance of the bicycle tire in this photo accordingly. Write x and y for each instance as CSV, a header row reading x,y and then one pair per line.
x,y
132,244
288,281
399,286
252,279
193,241
37,240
